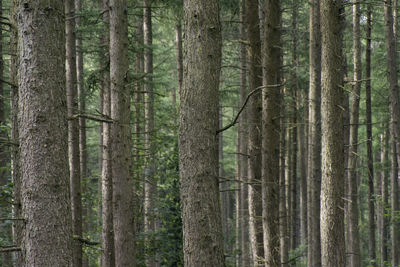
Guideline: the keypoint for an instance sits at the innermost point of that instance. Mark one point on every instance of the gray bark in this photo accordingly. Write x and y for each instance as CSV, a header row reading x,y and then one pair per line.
x,y
354,235
314,139
108,250
123,189
390,26
46,205
254,124
332,186
198,142
271,131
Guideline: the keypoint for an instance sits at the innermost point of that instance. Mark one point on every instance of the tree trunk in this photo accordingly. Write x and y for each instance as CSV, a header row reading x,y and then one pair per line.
x,y
254,124
371,196
385,199
82,123
179,62
354,242
332,187
123,189
198,142
46,205
15,149
108,250
314,139
243,135
284,173
271,132
394,125
238,236
150,184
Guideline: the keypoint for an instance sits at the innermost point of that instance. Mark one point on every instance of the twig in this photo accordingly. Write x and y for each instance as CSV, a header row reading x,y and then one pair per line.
x,y
9,249
85,241
244,105
91,117
12,219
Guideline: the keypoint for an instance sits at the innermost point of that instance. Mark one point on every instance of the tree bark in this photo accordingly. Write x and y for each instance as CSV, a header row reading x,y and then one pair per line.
x,y
332,187
271,131
394,124
385,199
108,249
198,142
254,122
314,139
371,194
46,205
123,189
15,149
354,241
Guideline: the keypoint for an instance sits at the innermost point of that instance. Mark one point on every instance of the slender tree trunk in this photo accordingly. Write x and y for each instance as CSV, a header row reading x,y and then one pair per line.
x,y
354,242
254,122
294,216
150,184
332,187
283,174
243,135
238,236
123,189
314,139
42,118
73,130
15,148
371,196
198,142
108,250
394,124
271,132
385,199
82,121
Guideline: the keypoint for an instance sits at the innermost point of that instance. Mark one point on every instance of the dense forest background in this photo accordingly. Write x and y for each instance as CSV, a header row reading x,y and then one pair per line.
x,y
127,74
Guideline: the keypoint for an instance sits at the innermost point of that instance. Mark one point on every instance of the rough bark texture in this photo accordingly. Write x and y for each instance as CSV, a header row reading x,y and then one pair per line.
x,y
314,139
271,131
179,60
73,130
150,183
371,196
332,186
15,149
46,205
254,126
123,189
198,142
354,235
394,124
108,251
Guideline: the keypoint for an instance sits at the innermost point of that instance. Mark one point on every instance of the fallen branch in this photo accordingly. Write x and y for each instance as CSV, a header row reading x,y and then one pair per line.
x,y
9,249
86,241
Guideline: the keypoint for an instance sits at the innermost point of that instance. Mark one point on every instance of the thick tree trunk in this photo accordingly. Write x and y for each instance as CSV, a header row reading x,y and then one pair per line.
x,y
46,205
394,124
254,127
354,241
123,189
371,196
198,142
271,132
314,139
108,250
332,187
